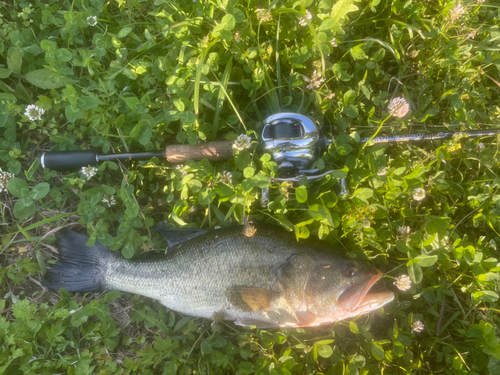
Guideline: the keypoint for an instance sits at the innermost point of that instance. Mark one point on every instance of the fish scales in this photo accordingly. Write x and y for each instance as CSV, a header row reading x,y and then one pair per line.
x,y
193,277
266,279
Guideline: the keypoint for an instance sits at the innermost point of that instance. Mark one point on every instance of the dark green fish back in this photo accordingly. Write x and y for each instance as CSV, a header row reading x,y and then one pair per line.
x,y
257,275
194,276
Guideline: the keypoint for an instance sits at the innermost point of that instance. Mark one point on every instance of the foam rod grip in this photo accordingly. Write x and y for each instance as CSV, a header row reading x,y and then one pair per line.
x,y
221,150
68,160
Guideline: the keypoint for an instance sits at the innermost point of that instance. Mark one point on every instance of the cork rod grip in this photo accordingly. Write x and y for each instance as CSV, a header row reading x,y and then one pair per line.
x,y
221,150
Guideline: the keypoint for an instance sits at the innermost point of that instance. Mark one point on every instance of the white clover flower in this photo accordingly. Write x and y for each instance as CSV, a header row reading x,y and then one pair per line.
x,y
4,178
472,34
316,81
263,16
302,21
89,171
34,112
398,107
225,176
417,326
333,42
402,282
381,171
179,168
404,231
109,200
237,37
242,142
480,1
366,223
284,190
92,20
480,146
418,194
456,12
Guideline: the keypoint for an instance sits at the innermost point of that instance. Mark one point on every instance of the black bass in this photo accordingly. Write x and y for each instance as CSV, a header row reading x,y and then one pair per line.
x,y
259,277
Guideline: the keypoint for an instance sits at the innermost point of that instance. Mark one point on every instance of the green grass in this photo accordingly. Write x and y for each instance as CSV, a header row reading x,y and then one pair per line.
x,y
154,73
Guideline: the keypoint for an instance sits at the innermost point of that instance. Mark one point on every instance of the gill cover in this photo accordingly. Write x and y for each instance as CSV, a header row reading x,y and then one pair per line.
x,y
339,289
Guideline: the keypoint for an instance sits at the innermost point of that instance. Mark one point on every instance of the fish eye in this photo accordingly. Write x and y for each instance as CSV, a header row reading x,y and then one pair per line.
x,y
350,269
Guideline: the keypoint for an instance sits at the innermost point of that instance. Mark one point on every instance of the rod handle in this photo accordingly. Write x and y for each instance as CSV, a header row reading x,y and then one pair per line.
x,y
68,160
213,151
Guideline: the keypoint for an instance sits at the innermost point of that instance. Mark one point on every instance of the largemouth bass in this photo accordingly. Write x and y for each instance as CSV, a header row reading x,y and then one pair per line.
x,y
262,277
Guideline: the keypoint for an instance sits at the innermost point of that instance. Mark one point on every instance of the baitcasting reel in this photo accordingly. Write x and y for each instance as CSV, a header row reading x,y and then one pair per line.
x,y
294,141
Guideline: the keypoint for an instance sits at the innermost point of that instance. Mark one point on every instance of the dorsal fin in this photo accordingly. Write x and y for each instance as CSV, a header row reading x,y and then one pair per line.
x,y
177,236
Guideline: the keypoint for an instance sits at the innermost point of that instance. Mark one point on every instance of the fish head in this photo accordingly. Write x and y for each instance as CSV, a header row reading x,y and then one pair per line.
x,y
340,289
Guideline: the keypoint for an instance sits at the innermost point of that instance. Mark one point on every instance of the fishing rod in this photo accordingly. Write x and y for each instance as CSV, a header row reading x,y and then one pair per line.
x,y
293,140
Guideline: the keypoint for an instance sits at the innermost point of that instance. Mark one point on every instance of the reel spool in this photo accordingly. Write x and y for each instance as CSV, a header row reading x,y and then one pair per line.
x,y
294,141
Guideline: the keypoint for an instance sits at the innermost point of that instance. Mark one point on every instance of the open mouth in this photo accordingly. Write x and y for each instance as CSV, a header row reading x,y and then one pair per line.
x,y
358,299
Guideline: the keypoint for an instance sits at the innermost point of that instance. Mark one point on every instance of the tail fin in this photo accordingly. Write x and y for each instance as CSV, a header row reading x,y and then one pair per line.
x,y
79,268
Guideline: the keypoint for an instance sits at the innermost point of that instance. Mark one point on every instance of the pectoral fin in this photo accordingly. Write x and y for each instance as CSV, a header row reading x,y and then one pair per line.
x,y
251,298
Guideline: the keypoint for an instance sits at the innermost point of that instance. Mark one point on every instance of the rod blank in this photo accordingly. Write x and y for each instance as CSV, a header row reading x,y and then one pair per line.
x,y
431,136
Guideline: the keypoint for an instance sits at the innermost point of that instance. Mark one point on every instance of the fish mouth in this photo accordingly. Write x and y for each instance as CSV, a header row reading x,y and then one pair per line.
x,y
358,300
